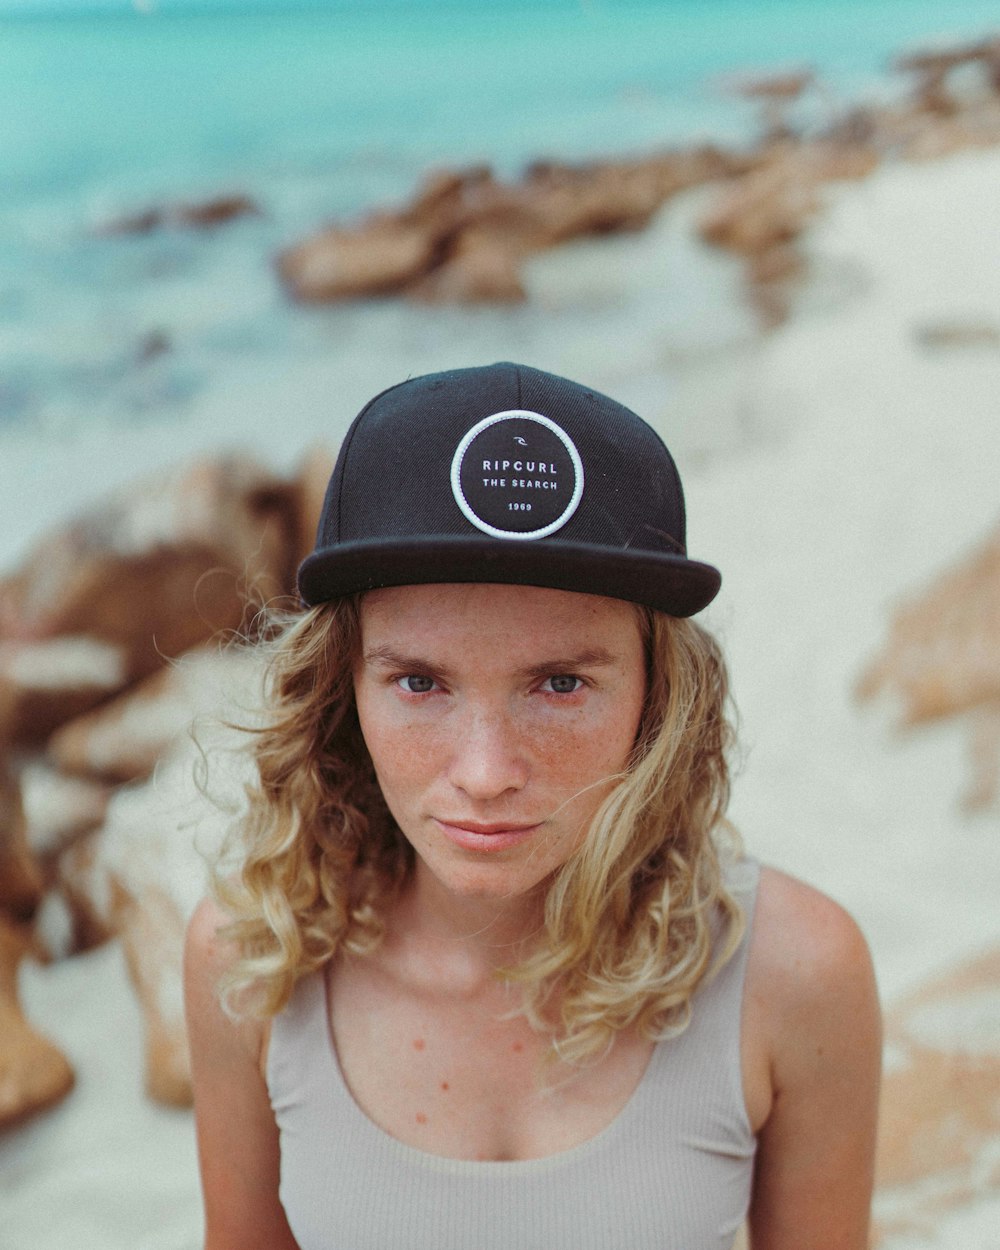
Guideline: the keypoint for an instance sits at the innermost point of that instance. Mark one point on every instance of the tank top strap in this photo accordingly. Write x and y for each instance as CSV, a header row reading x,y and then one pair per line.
x,y
297,1067
697,1076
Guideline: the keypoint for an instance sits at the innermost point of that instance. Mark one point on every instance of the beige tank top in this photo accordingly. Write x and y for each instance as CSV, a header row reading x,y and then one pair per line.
x,y
672,1171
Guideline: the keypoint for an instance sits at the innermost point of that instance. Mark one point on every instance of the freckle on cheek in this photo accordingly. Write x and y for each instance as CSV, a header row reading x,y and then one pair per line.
x,y
517,1047
445,1086
419,1043
421,1118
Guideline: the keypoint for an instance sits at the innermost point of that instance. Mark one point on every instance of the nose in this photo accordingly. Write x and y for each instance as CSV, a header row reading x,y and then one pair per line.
x,y
489,759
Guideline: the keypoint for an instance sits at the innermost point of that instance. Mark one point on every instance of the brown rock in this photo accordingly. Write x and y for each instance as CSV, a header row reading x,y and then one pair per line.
x,y
198,214
779,264
43,683
124,739
988,55
922,137
932,69
463,234
555,202
762,213
447,201
152,931
380,256
826,160
984,757
789,85
771,204
442,192
34,1074
775,93
565,203
942,658
772,277
768,208
216,211
141,874
142,222
84,886
21,881
483,269
309,483
161,566
940,1109
109,884
943,652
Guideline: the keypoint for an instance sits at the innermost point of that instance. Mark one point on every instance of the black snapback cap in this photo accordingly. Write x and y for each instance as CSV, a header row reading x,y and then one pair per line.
x,y
504,473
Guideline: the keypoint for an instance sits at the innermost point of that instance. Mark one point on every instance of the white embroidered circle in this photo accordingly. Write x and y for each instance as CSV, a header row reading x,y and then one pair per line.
x,y
516,474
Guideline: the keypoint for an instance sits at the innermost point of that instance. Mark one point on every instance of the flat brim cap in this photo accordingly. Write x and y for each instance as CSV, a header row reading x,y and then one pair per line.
x,y
508,474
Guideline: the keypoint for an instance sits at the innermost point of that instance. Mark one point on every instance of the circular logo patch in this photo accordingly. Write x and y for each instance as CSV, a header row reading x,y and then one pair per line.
x,y
516,474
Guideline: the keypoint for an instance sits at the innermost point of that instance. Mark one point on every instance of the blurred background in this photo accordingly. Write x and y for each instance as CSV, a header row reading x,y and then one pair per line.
x,y
769,226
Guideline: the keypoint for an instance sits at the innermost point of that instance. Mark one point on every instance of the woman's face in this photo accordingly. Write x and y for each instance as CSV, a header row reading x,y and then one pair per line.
x,y
496,717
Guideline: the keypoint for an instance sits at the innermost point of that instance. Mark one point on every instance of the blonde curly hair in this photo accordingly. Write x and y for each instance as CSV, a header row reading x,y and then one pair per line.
x,y
634,921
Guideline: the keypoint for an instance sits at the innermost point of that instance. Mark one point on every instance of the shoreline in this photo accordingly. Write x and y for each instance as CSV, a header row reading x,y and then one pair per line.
x,y
871,468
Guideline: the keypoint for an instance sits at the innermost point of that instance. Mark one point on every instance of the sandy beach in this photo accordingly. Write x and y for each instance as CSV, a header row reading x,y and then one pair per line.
x,y
869,465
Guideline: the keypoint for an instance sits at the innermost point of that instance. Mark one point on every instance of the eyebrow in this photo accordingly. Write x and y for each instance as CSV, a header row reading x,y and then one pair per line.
x,y
591,657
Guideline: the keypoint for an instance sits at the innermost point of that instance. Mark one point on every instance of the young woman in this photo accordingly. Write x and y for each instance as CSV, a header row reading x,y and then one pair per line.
x,y
493,973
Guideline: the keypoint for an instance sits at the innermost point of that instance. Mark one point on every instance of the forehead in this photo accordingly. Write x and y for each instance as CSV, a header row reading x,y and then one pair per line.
x,y
481,617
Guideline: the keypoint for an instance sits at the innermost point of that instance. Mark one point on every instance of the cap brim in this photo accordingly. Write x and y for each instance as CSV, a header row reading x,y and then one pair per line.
x,y
669,583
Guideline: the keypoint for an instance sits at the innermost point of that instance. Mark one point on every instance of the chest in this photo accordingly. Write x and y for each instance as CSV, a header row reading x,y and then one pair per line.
x,y
461,1075
673,1170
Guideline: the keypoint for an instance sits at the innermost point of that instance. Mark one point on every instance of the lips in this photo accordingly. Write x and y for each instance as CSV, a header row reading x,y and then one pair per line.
x,y
501,826
474,835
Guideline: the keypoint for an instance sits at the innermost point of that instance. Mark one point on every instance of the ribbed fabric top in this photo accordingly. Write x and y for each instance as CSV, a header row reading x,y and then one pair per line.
x,y
672,1171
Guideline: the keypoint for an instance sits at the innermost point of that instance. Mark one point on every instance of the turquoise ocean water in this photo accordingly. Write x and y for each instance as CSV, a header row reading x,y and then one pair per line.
x,y
319,113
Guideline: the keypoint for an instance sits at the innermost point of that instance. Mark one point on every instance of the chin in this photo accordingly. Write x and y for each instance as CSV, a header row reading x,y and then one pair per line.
x,y
489,881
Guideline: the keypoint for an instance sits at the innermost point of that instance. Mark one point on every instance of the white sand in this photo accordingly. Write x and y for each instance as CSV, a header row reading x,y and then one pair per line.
x,y
869,465
877,467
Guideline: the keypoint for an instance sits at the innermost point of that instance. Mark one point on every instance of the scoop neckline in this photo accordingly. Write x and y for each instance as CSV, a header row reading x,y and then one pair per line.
x,y
508,1167
743,875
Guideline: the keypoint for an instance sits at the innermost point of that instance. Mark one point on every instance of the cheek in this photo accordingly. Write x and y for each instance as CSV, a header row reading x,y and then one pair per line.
x,y
581,750
404,749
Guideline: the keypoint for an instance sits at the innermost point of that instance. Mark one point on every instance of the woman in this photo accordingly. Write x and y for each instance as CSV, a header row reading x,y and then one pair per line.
x,y
492,973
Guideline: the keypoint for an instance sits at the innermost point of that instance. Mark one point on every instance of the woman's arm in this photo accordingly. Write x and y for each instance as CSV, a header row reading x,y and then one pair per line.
x,y
237,1135
811,991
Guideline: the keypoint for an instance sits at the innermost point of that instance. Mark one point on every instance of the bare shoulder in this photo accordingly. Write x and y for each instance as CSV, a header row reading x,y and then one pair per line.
x,y
810,978
204,944
804,943
238,1146
813,1057
208,955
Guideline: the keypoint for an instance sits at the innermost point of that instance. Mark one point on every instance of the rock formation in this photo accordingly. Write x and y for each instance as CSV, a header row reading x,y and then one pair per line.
x,y
940,1109
199,214
115,677
942,659
464,235
34,1073
775,94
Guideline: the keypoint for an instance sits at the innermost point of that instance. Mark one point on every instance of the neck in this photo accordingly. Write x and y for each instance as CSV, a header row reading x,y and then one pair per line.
x,y
477,935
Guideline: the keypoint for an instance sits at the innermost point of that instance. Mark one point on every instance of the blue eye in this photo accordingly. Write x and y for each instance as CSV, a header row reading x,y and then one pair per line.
x,y
563,683
414,683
